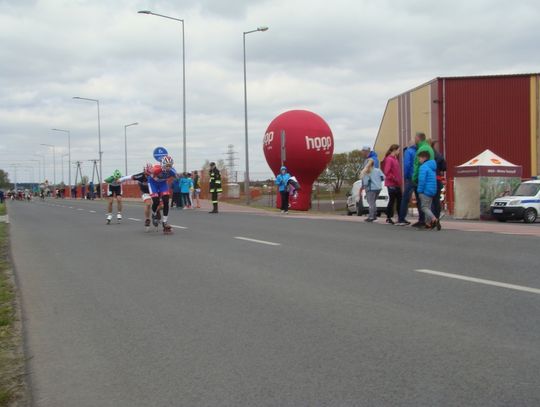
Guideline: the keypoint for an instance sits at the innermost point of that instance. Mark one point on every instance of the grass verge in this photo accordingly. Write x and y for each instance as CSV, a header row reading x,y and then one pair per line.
x,y
11,361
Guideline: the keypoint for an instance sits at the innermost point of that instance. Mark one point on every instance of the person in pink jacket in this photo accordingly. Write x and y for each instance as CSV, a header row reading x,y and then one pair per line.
x,y
392,171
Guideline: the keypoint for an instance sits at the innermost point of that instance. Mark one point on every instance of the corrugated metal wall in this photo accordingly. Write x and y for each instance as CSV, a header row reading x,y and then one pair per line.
x,y
489,112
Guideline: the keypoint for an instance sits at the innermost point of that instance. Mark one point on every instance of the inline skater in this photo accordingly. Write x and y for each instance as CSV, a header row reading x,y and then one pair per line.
x,y
159,188
142,179
114,190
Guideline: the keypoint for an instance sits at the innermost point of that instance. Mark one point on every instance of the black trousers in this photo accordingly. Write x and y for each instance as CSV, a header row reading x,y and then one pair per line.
x,y
214,197
176,198
436,203
185,199
284,200
394,198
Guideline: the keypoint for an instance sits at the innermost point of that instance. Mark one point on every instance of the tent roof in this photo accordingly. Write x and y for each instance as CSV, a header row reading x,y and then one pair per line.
x,y
487,159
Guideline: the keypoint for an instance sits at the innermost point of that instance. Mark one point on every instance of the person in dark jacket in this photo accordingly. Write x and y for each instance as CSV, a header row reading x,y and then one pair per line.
x,y
368,153
215,186
177,195
441,169
409,154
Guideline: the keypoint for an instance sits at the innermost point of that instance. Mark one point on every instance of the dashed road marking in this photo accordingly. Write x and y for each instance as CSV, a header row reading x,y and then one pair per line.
x,y
257,241
481,281
80,209
135,219
92,211
178,227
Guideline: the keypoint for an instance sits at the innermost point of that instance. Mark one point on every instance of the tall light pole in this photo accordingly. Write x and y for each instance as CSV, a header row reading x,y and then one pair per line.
x,y
39,168
43,158
246,181
62,166
54,160
100,175
69,156
183,80
125,143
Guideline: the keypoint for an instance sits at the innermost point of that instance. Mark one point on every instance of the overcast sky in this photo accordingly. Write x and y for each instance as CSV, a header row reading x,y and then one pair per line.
x,y
342,59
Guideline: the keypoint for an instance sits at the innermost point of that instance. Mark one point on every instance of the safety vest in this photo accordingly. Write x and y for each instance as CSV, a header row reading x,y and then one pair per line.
x,y
215,181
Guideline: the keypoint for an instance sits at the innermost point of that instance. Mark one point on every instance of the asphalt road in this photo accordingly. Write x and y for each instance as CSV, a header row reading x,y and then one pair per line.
x,y
311,313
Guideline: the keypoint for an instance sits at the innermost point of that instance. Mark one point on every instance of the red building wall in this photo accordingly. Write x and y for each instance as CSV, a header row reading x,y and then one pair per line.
x,y
488,112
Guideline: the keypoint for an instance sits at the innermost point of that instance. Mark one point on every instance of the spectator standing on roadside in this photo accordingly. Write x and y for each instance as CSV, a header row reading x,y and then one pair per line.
x,y
409,153
282,181
421,145
372,181
83,191
186,183
196,188
441,169
370,154
427,188
177,194
392,173
91,191
2,197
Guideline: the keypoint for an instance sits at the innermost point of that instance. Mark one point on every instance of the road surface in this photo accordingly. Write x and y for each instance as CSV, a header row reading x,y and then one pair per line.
x,y
249,310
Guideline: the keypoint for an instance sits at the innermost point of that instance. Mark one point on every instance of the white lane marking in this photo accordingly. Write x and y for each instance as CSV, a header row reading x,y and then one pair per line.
x,y
70,207
178,227
257,241
80,209
135,219
92,211
481,281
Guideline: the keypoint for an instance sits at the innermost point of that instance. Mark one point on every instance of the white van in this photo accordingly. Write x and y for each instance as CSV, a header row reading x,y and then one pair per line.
x,y
359,205
523,204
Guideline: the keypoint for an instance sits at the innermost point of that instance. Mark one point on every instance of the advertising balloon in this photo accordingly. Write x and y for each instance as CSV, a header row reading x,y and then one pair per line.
x,y
303,142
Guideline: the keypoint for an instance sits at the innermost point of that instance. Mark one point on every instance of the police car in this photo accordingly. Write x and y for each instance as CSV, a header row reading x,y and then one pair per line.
x,y
357,201
523,204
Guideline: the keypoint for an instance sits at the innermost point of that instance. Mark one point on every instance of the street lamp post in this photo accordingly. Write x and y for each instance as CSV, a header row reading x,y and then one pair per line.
x,y
69,156
54,161
62,166
39,168
246,181
42,156
125,143
100,175
184,155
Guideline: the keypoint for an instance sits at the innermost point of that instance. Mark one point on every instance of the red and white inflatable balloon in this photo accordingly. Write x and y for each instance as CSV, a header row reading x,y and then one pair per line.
x,y
303,142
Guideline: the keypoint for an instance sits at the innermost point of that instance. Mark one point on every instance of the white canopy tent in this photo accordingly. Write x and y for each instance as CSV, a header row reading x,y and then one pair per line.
x,y
479,181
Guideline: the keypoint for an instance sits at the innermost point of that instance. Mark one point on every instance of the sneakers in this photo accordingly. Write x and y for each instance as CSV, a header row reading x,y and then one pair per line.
x,y
403,223
369,220
419,225
390,221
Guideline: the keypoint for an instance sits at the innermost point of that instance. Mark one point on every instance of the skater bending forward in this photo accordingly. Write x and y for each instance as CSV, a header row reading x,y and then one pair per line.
x,y
159,189
142,179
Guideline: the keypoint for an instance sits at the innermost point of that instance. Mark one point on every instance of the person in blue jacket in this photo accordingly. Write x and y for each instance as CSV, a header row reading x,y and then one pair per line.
x,y
427,188
408,170
186,185
369,153
282,181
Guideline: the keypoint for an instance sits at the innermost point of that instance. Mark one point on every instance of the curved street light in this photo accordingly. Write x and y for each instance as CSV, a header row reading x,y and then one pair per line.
x,y
148,12
246,181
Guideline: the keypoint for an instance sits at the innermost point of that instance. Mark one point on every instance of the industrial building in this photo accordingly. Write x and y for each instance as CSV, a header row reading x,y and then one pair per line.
x,y
468,115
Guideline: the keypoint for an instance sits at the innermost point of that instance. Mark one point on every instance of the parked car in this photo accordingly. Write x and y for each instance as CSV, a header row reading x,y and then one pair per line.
x,y
357,201
523,204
